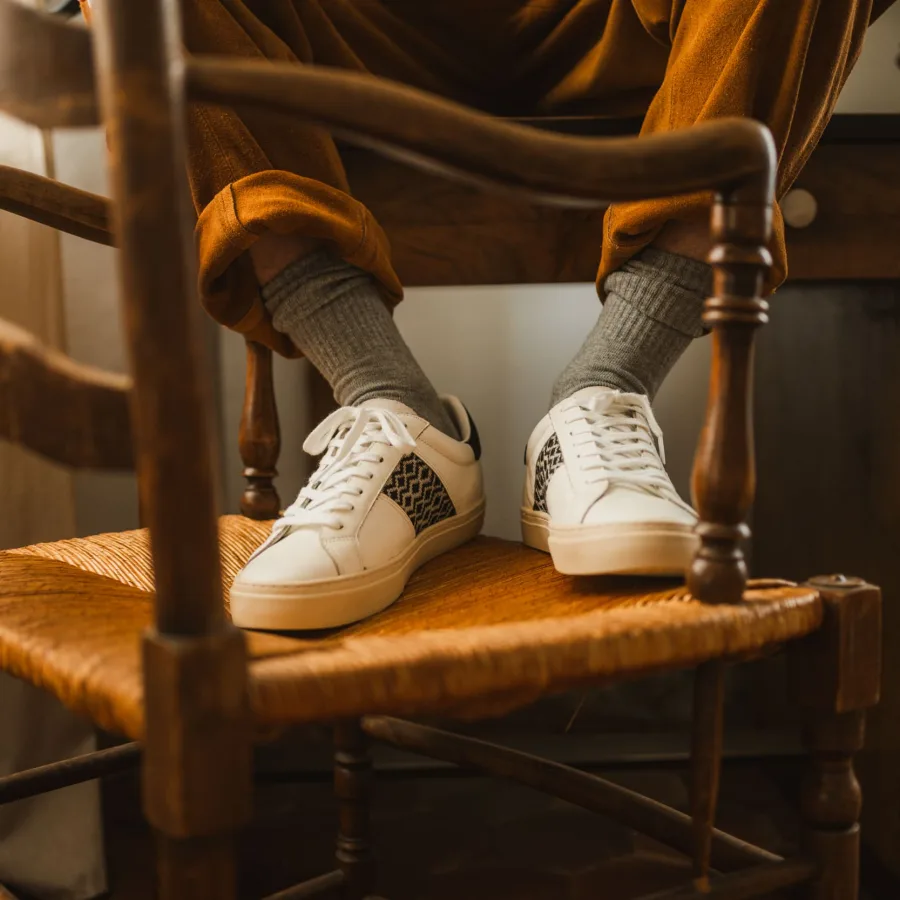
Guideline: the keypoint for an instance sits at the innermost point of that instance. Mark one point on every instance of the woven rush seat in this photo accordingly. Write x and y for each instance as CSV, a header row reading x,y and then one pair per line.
x,y
482,629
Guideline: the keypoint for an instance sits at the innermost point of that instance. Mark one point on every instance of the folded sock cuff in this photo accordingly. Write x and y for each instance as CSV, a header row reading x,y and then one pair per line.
x,y
666,287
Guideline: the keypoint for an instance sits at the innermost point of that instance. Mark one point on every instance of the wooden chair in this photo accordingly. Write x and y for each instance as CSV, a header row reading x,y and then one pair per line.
x,y
131,629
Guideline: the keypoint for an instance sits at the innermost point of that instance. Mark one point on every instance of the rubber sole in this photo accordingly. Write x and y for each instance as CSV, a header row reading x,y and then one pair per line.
x,y
629,549
332,602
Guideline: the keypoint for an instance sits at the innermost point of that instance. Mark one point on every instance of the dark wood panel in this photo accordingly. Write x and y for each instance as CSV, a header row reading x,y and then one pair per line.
x,y
828,500
473,838
855,232
449,234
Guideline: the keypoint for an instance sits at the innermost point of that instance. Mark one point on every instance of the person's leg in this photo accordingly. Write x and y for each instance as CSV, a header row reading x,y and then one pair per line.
x,y
651,312
286,253
288,257
333,311
780,61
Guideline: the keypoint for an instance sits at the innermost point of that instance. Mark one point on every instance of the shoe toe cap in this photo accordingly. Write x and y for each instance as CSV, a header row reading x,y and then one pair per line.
x,y
621,505
297,558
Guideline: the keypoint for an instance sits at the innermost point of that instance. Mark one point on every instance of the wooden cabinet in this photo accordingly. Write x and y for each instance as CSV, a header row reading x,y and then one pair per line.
x,y
444,233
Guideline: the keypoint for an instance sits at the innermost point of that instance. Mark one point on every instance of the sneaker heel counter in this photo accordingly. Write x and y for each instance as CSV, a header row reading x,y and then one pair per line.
x,y
479,496
473,440
528,485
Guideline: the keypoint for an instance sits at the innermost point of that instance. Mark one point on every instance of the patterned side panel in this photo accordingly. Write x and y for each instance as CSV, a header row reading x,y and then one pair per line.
x,y
549,460
415,487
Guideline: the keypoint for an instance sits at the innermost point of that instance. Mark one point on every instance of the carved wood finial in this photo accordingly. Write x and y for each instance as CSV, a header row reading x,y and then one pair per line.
x,y
260,436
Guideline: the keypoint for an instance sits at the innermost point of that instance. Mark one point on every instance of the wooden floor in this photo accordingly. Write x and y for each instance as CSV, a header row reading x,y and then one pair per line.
x,y
441,837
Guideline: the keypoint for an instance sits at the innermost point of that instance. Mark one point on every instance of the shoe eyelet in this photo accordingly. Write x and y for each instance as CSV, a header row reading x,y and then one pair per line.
x,y
381,459
371,476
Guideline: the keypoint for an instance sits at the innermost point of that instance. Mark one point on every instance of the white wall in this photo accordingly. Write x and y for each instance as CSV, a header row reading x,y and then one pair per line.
x,y
500,349
874,83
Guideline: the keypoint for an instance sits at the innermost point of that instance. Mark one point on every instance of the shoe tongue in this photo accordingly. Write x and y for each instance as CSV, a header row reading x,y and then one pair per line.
x,y
589,393
394,406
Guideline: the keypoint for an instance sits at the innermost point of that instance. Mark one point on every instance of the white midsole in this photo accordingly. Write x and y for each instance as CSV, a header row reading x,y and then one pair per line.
x,y
331,602
629,548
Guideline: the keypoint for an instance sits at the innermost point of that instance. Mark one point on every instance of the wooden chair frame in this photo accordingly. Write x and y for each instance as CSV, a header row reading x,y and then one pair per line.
x,y
196,758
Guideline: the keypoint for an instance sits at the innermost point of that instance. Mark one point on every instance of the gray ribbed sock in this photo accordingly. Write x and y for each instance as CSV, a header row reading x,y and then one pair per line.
x,y
651,313
334,313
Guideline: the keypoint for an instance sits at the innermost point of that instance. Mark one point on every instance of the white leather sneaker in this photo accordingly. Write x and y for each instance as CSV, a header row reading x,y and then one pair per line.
x,y
597,496
390,493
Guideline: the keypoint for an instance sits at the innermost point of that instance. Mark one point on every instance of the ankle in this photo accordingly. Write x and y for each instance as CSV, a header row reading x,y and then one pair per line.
x,y
652,311
425,404
335,314
610,377
273,253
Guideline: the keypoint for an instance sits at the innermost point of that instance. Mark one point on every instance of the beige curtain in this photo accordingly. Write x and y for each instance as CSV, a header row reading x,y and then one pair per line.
x,y
51,846
35,496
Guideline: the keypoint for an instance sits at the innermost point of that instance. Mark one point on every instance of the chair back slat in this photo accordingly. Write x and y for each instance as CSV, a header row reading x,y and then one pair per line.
x,y
137,49
68,412
58,205
46,69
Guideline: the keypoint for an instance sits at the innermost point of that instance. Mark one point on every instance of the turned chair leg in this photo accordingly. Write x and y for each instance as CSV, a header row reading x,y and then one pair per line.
x,y
353,787
260,437
706,762
835,675
831,801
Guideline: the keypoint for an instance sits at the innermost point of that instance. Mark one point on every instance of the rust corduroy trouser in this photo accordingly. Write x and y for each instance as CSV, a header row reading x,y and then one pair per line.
x,y
674,62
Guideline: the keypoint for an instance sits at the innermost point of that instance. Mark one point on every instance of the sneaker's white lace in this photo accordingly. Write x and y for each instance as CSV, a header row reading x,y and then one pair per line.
x,y
618,440
349,439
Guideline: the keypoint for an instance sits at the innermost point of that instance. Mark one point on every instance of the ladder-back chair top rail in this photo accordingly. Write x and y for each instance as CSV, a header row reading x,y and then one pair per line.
x,y
461,144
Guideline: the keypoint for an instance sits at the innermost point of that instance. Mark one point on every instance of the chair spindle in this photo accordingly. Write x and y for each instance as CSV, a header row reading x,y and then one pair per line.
x,y
724,478
260,436
706,762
